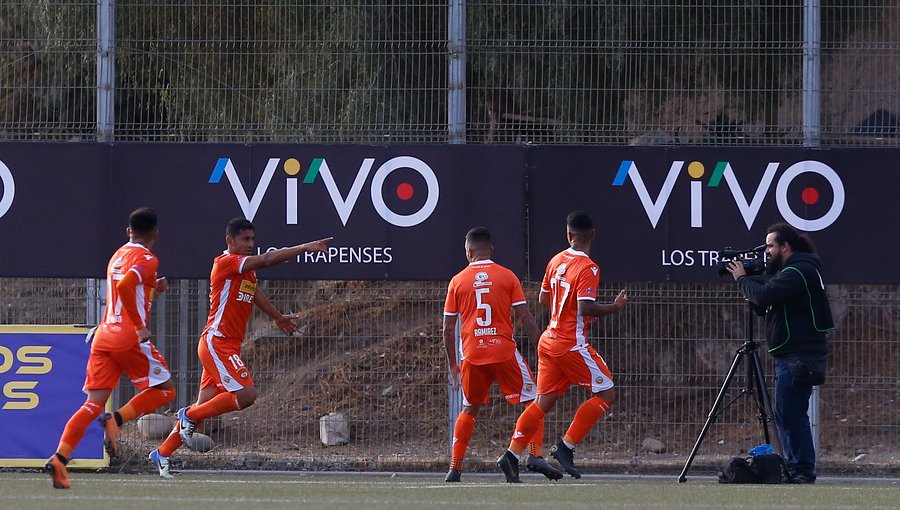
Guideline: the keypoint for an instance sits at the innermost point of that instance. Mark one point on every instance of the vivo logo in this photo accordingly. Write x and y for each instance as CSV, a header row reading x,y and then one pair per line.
x,y
748,208
343,203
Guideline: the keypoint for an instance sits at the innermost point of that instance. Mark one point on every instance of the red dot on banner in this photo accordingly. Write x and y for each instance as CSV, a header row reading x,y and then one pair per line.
x,y
810,196
405,191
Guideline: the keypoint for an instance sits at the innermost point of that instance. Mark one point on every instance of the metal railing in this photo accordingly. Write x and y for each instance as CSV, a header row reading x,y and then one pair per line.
x,y
611,73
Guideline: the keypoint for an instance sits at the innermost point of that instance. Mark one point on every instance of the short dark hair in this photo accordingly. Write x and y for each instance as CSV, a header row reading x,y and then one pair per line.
x,y
798,241
478,235
237,225
142,221
579,221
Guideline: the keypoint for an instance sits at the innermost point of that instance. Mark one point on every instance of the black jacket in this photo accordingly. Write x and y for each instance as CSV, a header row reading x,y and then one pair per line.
x,y
798,315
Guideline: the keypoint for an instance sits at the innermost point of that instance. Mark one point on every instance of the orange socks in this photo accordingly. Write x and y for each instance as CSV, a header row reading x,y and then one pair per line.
x,y
462,433
172,443
586,417
218,405
145,402
529,421
76,426
537,439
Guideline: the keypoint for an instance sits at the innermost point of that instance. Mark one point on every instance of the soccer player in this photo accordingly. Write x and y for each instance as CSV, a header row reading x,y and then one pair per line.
x,y
483,296
121,344
226,384
569,289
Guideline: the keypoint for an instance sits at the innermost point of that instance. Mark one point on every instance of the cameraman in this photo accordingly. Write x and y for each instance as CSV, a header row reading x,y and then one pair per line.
x,y
798,317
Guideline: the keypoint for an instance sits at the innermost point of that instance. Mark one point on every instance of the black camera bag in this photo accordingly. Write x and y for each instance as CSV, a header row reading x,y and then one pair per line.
x,y
768,468
757,469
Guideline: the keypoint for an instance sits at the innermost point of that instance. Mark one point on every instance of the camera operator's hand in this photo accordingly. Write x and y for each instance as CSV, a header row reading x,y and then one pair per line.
x,y
736,268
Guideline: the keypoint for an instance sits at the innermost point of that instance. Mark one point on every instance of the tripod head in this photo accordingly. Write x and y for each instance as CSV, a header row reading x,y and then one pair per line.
x,y
749,345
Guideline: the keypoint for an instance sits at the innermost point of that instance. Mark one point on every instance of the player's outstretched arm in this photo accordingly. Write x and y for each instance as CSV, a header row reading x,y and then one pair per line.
x,y
284,322
282,255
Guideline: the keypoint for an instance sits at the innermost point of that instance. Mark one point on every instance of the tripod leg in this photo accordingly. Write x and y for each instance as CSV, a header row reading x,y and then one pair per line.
x,y
766,403
756,378
766,407
713,414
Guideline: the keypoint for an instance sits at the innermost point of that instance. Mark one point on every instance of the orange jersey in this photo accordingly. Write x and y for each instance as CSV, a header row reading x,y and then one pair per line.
x,y
571,277
231,293
483,295
118,329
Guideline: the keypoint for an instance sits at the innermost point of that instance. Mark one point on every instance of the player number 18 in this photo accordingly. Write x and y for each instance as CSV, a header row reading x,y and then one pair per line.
x,y
236,361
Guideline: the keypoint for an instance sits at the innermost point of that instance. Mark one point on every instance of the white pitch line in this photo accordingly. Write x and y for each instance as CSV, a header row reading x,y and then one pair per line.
x,y
372,501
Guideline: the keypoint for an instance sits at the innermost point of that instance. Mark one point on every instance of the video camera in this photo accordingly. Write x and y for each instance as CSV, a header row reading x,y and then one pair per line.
x,y
751,259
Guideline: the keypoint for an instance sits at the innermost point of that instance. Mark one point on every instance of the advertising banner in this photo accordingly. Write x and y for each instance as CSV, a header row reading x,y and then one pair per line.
x,y
400,212
42,373
663,214
54,209
395,212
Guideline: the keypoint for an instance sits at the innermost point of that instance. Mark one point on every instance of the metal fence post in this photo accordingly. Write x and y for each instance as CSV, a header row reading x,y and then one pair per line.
x,y
812,57
184,342
456,85
159,330
203,290
96,304
106,69
456,127
812,92
105,121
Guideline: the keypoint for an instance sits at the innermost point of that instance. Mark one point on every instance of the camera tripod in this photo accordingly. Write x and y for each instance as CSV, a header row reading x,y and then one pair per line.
x,y
756,388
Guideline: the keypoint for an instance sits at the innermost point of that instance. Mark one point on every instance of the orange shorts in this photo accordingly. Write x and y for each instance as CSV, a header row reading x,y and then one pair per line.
x,y
513,376
222,364
144,365
583,367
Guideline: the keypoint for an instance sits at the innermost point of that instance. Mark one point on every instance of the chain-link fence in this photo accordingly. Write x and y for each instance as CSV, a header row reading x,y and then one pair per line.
x,y
582,72
47,70
373,351
700,73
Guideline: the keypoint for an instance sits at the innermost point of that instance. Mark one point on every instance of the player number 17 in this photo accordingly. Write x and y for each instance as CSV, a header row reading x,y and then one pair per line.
x,y
556,305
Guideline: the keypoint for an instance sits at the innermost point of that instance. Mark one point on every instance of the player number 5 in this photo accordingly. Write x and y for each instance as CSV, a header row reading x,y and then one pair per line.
x,y
483,306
